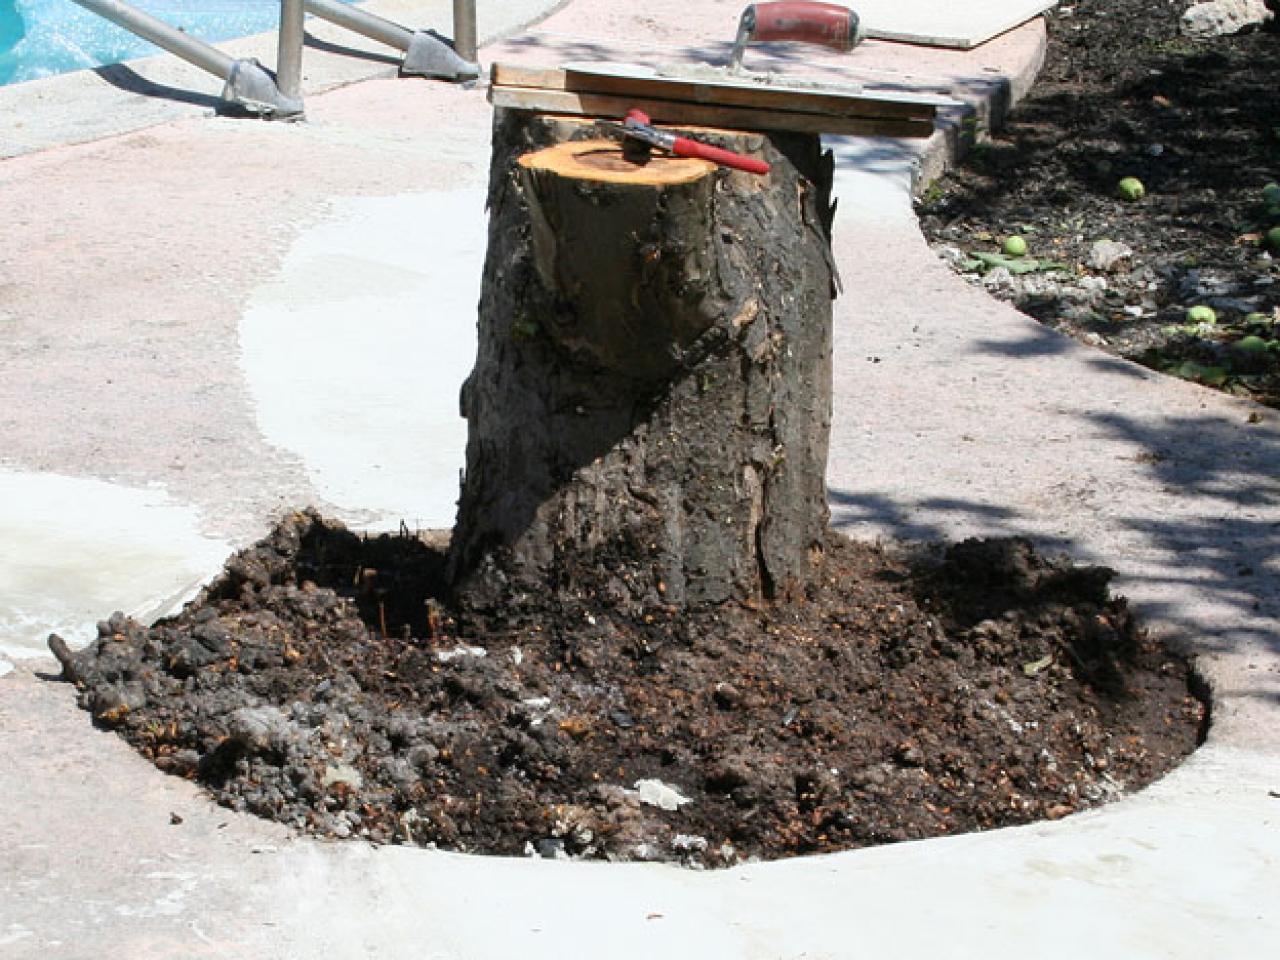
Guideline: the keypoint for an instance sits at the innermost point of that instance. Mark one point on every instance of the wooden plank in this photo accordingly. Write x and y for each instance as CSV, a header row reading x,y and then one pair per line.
x,y
825,100
700,114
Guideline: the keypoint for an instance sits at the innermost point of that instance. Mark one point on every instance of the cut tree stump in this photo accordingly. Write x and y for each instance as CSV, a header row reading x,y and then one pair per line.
x,y
650,406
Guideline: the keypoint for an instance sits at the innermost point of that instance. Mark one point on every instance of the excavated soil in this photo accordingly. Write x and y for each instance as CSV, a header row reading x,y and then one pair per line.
x,y
1197,122
325,680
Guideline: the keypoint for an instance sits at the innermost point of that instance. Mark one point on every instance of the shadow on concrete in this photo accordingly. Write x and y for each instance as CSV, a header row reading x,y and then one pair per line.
x,y
1226,554
1232,549
129,80
935,519
338,49
1042,341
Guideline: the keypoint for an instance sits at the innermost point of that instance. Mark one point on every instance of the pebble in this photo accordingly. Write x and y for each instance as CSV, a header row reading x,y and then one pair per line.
x,y
661,795
1223,18
1108,255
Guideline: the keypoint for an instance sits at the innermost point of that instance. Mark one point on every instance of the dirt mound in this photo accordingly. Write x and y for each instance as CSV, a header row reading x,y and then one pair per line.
x,y
324,680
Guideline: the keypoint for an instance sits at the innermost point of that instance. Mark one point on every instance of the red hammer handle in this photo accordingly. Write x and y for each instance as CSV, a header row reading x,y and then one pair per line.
x,y
684,147
806,21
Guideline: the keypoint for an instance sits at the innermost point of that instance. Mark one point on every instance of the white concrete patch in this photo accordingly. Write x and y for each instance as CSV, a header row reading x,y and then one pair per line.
x,y
78,549
945,23
356,351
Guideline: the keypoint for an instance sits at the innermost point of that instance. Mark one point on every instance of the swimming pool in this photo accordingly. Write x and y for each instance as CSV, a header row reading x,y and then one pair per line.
x,y
43,37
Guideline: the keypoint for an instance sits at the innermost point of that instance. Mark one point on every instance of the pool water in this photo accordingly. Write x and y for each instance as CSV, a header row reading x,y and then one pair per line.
x,y
43,37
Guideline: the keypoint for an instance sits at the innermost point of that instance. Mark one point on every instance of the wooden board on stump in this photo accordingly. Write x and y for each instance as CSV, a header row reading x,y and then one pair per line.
x,y
650,405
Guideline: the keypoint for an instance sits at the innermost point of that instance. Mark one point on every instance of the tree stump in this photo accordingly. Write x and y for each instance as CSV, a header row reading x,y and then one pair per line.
x,y
650,405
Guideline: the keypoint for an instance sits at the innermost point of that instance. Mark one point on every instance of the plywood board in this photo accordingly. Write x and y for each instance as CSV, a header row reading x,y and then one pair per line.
x,y
712,88
962,24
700,114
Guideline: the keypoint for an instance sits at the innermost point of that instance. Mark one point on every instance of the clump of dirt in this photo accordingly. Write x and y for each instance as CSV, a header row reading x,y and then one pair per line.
x,y
326,681
1197,122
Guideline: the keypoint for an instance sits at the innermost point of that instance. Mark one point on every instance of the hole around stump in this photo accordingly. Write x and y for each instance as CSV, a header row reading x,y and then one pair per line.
x,y
903,697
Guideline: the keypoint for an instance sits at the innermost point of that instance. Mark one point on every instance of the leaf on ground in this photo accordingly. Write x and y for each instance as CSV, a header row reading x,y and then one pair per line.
x,y
1015,265
1035,666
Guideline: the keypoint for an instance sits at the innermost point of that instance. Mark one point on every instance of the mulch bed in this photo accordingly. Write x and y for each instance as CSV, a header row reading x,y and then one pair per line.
x,y
1197,122
326,680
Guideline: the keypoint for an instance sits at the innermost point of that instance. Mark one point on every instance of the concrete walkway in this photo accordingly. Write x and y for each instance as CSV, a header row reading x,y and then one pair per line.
x,y
192,342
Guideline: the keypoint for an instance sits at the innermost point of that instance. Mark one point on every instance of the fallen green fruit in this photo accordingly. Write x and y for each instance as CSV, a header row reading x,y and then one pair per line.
x,y
1131,188
1202,314
1250,344
1264,319
1273,239
1015,246
1271,193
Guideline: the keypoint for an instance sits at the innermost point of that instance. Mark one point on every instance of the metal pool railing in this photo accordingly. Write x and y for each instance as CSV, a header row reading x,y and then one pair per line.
x,y
252,86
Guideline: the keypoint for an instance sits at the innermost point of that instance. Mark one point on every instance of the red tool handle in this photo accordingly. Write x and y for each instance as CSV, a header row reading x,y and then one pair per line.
x,y
684,147
806,21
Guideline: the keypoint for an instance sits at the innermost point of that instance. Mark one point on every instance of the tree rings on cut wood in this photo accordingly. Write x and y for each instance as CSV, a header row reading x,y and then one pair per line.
x,y
648,414
607,161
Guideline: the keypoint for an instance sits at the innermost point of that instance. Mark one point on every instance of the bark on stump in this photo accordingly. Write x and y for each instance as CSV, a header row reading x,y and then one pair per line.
x,y
651,400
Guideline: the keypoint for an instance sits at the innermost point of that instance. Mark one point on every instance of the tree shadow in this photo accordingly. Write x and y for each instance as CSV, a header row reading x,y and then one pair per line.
x,y
906,521
1192,102
1211,573
1035,341
1229,552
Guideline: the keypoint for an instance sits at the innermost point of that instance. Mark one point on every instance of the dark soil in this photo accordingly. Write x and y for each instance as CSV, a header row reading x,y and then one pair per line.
x,y
1123,94
325,681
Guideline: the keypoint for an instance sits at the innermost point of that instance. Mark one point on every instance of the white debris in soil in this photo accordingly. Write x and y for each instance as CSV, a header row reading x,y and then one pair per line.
x,y
539,709
686,843
5,667
661,795
343,773
444,656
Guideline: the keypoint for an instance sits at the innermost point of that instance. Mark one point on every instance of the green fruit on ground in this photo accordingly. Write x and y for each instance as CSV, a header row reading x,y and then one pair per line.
x,y
1131,188
1202,314
1273,239
1250,345
1258,318
1015,246
1271,193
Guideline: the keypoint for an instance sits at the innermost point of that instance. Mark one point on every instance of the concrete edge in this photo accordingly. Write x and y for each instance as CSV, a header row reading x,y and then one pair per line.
x,y
960,129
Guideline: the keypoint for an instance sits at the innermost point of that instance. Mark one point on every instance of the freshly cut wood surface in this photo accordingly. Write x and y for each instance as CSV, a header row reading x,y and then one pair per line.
x,y
681,112
726,91
605,161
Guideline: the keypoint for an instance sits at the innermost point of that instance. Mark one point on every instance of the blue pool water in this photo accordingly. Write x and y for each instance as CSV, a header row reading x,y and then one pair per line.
x,y
43,37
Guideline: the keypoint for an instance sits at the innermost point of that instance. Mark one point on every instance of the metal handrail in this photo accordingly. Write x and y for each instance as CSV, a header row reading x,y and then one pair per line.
x,y
249,84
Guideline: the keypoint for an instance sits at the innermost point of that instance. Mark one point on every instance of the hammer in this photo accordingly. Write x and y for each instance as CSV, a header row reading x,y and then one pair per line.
x,y
826,24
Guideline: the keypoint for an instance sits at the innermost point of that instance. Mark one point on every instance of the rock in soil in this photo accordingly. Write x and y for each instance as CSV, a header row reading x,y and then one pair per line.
x,y
325,680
